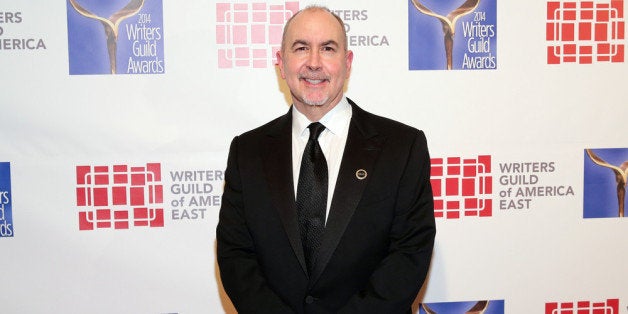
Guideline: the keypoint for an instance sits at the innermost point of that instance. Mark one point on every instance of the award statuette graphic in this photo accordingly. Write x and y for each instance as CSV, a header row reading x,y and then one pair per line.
x,y
449,23
111,25
621,177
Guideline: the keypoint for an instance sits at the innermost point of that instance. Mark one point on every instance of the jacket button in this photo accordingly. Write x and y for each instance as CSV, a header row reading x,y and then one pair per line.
x,y
309,299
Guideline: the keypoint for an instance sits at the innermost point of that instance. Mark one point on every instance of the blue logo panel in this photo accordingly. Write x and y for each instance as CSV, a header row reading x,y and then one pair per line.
x,y
452,34
115,37
485,307
6,212
605,172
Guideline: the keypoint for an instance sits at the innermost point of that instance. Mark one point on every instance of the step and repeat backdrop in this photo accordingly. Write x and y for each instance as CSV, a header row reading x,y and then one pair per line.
x,y
116,117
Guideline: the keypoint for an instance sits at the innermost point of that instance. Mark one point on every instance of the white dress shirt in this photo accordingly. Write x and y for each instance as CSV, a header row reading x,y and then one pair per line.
x,y
332,142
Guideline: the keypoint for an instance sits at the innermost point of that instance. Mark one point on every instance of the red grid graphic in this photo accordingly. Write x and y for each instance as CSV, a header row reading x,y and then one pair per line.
x,y
119,196
585,31
462,187
611,306
249,34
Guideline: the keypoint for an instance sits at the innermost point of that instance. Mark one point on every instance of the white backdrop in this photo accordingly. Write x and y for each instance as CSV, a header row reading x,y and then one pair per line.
x,y
524,111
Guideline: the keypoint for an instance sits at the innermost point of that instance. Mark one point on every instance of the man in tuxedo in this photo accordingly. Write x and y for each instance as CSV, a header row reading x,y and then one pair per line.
x,y
328,208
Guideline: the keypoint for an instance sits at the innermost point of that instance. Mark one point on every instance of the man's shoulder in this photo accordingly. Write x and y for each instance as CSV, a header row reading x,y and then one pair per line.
x,y
274,126
383,124
388,122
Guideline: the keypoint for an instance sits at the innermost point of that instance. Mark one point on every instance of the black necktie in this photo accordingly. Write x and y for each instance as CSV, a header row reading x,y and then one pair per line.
x,y
312,195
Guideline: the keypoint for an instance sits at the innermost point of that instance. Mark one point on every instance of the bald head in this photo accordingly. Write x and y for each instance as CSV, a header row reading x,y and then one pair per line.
x,y
314,8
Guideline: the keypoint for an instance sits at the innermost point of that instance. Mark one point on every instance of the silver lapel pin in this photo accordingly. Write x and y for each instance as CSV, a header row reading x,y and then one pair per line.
x,y
360,174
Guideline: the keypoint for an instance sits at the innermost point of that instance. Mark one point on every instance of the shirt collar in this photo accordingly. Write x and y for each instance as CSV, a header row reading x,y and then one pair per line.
x,y
335,120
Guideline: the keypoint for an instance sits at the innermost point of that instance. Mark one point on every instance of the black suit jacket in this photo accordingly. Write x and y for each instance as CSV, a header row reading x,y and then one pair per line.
x,y
379,236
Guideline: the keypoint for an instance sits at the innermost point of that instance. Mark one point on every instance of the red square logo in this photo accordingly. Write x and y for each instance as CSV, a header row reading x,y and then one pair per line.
x,y
610,306
464,190
133,197
573,25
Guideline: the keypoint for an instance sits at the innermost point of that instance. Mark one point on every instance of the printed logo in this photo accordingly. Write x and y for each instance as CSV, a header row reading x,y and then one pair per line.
x,y
355,21
6,212
248,35
12,40
115,37
462,187
611,306
522,183
467,28
194,192
119,196
585,31
605,179
484,307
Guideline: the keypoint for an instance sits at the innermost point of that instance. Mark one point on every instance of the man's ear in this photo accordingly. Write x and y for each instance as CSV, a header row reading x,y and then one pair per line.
x,y
349,61
280,64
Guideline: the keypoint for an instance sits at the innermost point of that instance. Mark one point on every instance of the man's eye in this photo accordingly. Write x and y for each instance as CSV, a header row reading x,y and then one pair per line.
x,y
329,49
300,49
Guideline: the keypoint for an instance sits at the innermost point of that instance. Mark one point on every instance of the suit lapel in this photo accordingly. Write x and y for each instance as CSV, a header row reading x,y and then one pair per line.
x,y
361,150
277,158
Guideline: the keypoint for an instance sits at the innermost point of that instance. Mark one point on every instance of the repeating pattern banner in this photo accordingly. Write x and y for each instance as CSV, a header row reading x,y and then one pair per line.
x,y
116,118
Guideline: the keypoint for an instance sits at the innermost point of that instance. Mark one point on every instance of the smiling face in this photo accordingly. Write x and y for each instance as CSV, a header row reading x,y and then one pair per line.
x,y
314,61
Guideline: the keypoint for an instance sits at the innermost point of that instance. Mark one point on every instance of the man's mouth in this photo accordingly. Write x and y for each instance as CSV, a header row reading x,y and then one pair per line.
x,y
313,81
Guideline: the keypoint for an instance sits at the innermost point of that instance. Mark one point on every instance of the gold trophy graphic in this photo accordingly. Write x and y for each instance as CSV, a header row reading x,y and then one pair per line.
x,y
621,177
111,25
479,308
449,23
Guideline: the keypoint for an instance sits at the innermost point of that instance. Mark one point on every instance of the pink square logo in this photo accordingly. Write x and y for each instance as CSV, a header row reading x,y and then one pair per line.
x,y
245,29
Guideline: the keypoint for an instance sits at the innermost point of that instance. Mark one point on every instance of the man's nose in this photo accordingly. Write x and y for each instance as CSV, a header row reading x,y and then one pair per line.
x,y
314,60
